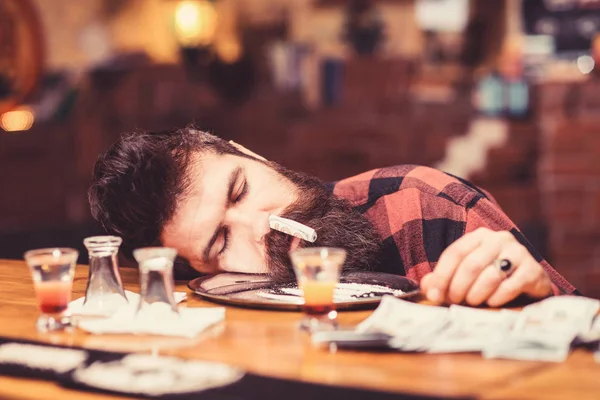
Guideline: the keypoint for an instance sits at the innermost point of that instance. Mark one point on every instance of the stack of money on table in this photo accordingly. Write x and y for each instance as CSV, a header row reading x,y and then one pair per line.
x,y
544,331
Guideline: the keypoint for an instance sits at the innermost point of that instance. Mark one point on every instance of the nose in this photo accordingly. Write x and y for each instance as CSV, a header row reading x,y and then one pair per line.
x,y
256,223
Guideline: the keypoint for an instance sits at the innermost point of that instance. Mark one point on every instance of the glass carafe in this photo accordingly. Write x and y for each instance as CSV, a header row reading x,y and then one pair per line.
x,y
104,293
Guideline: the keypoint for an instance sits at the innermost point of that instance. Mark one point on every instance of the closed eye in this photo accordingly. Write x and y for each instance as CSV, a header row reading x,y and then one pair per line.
x,y
225,239
242,193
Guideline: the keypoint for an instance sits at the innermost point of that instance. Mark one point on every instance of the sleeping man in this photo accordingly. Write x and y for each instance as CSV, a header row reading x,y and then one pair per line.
x,y
212,201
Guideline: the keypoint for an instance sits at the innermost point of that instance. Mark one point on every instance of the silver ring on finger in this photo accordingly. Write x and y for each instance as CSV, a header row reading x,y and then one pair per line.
x,y
504,266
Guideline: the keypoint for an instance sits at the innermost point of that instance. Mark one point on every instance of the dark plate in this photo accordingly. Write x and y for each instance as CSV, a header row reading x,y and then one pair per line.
x,y
242,290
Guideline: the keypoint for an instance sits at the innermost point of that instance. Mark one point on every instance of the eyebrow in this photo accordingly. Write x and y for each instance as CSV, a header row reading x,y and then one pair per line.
x,y
232,179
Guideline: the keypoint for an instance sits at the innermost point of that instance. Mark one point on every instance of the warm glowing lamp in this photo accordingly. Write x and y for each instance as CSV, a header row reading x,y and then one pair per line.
x,y
195,23
17,120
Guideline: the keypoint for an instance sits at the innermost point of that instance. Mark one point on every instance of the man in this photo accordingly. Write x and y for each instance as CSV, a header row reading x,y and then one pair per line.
x,y
211,200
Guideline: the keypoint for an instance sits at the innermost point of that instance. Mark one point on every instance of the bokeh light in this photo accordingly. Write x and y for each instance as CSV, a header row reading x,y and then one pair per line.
x,y
20,119
195,23
229,50
585,64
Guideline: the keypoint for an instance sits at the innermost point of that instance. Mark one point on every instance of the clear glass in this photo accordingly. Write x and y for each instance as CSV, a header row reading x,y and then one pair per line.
x,y
52,271
318,271
104,293
156,282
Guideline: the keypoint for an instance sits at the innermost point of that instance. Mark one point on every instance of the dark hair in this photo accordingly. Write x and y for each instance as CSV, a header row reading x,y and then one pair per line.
x,y
139,180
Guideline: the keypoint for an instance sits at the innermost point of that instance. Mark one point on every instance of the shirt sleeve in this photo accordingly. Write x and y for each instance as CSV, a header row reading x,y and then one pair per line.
x,y
484,213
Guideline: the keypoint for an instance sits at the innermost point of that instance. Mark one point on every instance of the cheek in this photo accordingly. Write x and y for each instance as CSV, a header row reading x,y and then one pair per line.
x,y
204,269
245,257
268,193
266,199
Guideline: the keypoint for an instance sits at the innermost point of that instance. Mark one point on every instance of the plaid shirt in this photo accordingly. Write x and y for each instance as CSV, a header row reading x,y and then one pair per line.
x,y
420,211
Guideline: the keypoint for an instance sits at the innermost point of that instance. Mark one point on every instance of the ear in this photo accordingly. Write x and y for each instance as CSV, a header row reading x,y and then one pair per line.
x,y
246,151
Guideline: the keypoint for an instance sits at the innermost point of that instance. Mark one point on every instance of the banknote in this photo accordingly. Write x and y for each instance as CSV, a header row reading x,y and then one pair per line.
x,y
543,331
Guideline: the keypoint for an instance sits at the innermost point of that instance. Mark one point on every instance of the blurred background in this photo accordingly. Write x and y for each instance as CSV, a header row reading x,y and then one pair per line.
x,y
505,93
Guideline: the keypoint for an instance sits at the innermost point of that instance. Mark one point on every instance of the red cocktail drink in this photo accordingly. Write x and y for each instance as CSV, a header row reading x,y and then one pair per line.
x,y
52,271
53,296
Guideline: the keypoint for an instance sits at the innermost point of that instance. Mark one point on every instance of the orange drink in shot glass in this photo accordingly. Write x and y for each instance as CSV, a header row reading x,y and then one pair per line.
x,y
317,271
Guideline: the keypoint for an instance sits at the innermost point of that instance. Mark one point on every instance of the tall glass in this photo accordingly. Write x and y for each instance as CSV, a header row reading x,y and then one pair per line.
x,y
52,270
318,271
156,282
104,293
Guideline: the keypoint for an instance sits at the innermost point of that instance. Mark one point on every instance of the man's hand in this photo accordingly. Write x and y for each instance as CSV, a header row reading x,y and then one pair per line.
x,y
466,271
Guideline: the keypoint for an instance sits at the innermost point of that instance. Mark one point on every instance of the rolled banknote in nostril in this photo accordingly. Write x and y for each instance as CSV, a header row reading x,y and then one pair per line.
x,y
292,228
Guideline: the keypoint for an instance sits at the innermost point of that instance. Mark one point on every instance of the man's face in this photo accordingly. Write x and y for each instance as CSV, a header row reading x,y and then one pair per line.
x,y
222,224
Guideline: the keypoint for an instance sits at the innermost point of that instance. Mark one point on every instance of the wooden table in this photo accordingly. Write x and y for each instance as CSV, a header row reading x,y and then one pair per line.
x,y
268,342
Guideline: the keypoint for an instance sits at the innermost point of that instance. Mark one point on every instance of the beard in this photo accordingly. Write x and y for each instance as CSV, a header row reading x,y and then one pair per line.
x,y
336,223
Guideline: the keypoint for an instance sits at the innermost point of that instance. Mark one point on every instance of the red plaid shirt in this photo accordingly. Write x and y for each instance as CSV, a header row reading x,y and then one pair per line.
x,y
420,211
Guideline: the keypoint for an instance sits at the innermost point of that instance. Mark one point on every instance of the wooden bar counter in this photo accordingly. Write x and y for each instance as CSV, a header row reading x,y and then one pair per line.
x,y
269,343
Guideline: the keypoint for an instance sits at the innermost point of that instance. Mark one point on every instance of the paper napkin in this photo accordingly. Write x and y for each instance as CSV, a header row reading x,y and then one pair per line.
x,y
156,319
112,304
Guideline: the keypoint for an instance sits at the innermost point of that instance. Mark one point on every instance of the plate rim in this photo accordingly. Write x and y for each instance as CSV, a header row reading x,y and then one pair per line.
x,y
266,304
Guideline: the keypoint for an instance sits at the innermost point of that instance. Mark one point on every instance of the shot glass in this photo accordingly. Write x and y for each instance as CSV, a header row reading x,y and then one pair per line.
x,y
52,271
317,270
156,283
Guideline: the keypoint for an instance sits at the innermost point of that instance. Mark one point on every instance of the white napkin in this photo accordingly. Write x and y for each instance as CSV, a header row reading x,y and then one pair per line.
x,y
76,306
157,319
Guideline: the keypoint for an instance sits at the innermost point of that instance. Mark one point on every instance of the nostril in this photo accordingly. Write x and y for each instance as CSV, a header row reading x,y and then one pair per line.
x,y
262,238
